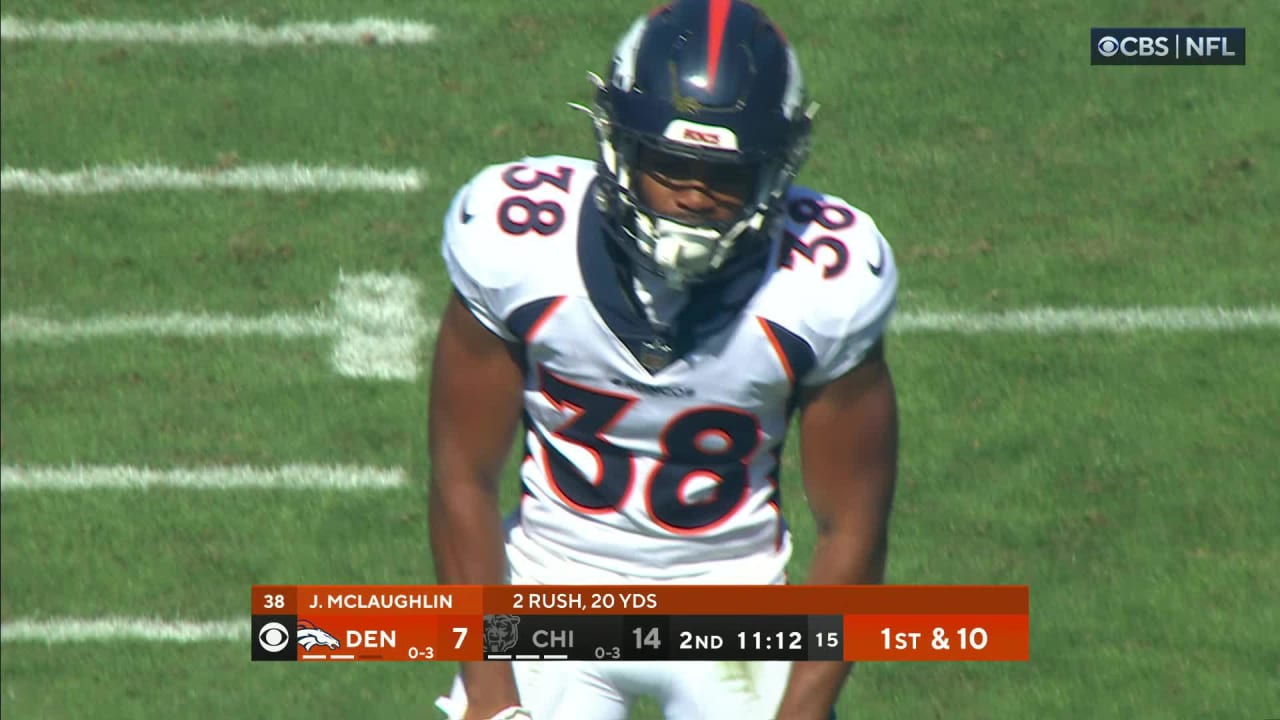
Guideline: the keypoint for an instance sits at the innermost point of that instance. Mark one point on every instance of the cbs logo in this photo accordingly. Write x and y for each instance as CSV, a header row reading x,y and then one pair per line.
x,y
1129,46
273,637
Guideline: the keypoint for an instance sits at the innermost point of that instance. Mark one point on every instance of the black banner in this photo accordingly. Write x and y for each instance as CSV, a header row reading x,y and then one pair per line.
x,y
1167,46
664,637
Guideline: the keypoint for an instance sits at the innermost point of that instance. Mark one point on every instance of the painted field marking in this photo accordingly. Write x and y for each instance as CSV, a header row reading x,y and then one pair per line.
x,y
394,320
362,31
376,322
291,477
278,178
381,327
1054,321
21,328
115,629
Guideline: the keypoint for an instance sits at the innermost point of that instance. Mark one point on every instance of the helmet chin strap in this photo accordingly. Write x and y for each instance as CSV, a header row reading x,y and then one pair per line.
x,y
683,252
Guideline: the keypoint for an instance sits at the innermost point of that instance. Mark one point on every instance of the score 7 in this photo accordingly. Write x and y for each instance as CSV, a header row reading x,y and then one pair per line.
x,y
459,637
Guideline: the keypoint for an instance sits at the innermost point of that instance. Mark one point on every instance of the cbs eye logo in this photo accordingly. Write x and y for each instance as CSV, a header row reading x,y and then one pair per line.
x,y
273,637
1108,46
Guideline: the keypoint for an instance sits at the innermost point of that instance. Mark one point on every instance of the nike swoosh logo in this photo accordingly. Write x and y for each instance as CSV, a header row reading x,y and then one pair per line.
x,y
878,266
462,212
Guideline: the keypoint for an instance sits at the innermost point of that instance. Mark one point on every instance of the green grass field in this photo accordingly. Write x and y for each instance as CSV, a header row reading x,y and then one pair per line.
x,y
1129,477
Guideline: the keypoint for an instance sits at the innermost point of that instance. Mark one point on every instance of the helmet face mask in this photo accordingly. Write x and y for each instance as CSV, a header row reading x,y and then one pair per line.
x,y
683,246
699,96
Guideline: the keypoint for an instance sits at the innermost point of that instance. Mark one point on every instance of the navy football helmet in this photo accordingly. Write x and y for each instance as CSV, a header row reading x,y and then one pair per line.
x,y
712,81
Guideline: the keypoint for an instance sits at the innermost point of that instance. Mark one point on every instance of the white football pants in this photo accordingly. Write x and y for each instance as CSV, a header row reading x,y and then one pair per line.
x,y
589,690
605,690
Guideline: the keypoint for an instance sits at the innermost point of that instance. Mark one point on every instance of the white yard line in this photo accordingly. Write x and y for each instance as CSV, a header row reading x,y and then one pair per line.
x,y
378,304
362,31
1052,321
381,327
376,322
23,328
61,630
280,178
293,477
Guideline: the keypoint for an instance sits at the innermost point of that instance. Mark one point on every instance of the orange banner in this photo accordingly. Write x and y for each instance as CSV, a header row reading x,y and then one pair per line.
x,y
942,637
390,599
755,599
275,599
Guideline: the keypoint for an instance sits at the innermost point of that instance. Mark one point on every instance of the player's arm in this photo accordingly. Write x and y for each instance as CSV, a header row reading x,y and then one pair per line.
x,y
474,409
849,454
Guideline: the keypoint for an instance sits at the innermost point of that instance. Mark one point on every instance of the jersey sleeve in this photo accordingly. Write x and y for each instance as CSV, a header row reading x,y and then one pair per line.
x,y
478,265
855,312
509,235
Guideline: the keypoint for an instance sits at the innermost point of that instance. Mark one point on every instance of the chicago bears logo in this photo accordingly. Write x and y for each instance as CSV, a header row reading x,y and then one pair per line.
x,y
500,632
310,636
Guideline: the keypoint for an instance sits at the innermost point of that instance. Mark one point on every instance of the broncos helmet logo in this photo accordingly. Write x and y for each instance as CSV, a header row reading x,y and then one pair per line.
x,y
500,632
310,636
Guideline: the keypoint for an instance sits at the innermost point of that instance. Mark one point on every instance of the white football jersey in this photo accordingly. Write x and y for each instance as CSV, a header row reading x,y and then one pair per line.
x,y
669,475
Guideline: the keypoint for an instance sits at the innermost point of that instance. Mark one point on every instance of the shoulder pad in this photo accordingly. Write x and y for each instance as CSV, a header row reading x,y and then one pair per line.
x,y
506,229
846,269
493,225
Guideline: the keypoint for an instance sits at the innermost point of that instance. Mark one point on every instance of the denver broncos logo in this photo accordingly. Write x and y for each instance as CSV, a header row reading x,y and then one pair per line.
x,y
500,632
310,636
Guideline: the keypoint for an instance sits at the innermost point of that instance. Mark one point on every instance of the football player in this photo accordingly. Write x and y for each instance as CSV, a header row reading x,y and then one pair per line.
x,y
652,320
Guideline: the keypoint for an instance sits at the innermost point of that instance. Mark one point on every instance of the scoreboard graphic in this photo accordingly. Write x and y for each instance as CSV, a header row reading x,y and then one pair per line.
x,y
684,622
